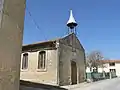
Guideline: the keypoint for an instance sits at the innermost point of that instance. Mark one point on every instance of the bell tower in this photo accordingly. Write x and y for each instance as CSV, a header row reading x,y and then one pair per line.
x,y
71,24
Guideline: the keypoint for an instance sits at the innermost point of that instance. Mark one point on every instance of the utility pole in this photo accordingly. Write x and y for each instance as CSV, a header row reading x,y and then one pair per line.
x,y
11,35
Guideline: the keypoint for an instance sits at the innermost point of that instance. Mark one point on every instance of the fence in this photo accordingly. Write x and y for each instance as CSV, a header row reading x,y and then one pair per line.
x,y
95,76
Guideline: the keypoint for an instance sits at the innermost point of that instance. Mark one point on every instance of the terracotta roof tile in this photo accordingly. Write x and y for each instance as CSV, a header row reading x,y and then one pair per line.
x,y
110,61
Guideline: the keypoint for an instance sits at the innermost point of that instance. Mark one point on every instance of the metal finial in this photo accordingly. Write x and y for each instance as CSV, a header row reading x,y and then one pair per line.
x,y
71,22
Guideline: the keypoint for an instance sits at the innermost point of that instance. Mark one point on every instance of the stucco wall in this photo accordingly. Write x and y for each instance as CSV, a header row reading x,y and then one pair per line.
x,y
49,76
11,32
65,57
117,67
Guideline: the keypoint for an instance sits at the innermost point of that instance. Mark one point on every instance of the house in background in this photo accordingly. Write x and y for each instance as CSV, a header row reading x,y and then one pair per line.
x,y
109,68
53,62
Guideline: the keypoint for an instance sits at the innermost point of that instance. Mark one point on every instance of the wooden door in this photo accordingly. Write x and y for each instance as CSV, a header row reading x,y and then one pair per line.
x,y
73,72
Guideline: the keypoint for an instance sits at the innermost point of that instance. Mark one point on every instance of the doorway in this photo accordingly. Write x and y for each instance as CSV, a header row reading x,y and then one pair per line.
x,y
73,72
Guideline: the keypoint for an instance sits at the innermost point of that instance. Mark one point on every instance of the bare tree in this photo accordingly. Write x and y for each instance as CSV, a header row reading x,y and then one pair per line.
x,y
93,59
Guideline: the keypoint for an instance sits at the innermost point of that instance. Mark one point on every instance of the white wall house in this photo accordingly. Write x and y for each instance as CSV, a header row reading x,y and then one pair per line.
x,y
109,66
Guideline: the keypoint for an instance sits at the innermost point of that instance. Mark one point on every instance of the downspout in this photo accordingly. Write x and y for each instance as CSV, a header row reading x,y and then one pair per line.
x,y
57,46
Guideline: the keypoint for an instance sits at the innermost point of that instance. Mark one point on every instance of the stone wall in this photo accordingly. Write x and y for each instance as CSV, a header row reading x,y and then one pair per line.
x,y
66,56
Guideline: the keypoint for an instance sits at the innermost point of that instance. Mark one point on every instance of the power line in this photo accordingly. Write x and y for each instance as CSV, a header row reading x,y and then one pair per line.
x,y
37,26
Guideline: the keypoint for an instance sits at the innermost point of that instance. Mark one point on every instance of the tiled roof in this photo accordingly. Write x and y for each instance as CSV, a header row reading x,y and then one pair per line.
x,y
46,42
110,61
42,42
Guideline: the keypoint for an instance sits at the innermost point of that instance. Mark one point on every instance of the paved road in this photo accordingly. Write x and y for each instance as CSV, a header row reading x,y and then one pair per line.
x,y
110,84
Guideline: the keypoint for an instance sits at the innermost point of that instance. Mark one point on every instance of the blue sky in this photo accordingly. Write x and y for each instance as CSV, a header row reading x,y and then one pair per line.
x,y
98,23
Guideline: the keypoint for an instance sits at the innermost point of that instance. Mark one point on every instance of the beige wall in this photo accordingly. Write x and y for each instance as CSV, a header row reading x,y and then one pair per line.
x,y
11,32
49,76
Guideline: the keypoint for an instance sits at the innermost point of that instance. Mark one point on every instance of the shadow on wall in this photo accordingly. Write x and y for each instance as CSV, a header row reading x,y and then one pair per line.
x,y
26,85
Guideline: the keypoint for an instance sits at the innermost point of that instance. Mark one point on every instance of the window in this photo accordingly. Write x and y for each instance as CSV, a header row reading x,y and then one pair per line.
x,y
112,64
112,70
41,60
25,61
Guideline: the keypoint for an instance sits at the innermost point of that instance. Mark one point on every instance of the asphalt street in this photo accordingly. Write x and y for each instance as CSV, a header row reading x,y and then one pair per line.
x,y
109,84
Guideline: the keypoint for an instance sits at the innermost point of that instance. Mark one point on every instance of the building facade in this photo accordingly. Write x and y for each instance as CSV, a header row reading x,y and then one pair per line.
x,y
109,66
54,62
112,66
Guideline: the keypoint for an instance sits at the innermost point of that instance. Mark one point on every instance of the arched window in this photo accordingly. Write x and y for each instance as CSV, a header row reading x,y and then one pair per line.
x,y
25,61
41,60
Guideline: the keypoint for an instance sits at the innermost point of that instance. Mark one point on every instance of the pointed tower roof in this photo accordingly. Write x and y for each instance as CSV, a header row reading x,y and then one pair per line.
x,y
71,22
